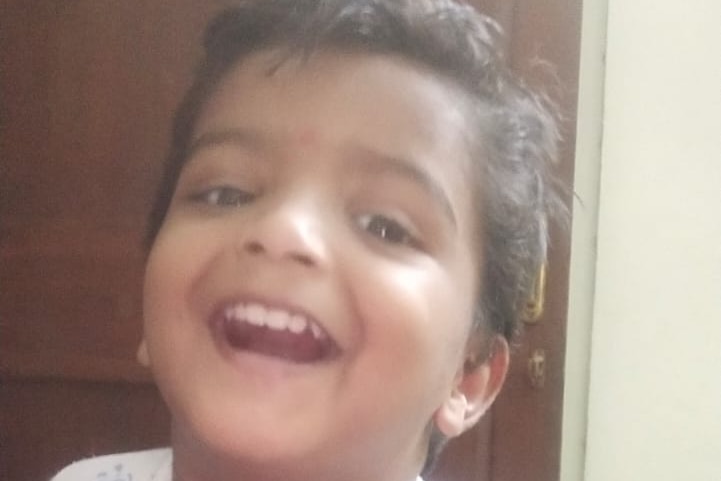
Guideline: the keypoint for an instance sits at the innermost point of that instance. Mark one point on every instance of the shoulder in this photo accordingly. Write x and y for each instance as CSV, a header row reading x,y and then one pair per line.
x,y
151,465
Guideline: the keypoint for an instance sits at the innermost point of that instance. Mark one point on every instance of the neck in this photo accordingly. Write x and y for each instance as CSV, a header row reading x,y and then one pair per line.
x,y
194,461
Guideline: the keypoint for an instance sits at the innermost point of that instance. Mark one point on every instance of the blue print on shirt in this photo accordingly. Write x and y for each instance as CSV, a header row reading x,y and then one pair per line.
x,y
118,474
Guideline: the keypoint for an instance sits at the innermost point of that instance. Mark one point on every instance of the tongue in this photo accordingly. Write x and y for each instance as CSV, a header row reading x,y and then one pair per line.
x,y
300,348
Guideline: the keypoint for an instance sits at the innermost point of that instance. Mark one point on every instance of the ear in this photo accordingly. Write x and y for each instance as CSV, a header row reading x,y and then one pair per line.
x,y
475,389
142,354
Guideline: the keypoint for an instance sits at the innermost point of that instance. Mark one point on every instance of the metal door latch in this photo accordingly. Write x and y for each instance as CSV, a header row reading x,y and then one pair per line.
x,y
537,368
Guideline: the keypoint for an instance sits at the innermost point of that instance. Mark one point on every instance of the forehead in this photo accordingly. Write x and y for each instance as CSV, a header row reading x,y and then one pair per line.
x,y
330,100
388,97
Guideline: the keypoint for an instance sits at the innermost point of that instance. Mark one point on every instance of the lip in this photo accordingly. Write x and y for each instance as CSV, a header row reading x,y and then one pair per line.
x,y
224,313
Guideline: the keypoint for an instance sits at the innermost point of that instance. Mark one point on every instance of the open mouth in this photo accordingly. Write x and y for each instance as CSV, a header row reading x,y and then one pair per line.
x,y
272,332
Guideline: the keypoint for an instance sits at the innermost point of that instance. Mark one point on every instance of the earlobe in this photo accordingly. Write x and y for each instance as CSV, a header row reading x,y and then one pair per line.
x,y
476,389
450,417
142,354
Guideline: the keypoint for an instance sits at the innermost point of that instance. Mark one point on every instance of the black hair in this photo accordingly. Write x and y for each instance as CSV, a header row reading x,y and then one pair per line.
x,y
517,128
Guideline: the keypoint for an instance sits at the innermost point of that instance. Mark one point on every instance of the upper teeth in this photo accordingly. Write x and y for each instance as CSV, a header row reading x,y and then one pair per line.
x,y
275,319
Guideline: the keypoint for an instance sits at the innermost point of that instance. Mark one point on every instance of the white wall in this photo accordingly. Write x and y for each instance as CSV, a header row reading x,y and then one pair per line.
x,y
651,304
583,249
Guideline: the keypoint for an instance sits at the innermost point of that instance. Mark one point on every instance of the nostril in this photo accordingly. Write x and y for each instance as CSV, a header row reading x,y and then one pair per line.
x,y
303,259
258,248
288,234
254,247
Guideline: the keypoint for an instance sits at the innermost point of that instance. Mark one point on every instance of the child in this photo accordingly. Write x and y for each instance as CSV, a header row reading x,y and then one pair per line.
x,y
353,211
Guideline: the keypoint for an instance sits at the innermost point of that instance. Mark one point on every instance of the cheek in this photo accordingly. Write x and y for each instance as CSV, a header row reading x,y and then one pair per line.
x,y
162,299
171,310
416,321
175,264
164,276
180,252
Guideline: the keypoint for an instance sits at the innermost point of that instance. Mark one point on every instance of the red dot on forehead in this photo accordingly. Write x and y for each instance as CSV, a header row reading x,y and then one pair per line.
x,y
308,137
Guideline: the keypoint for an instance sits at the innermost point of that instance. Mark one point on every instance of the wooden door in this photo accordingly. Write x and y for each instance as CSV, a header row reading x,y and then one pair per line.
x,y
87,90
520,439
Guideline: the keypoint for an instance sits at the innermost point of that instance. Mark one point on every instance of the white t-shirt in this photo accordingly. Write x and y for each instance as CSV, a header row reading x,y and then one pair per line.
x,y
152,465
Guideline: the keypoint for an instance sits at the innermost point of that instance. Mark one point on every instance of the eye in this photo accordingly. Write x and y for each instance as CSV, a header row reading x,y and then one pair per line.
x,y
388,230
223,196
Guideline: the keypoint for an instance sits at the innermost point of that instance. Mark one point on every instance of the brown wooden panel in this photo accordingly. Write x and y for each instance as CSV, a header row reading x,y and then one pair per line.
x,y
78,294
525,441
467,458
59,366
87,90
544,49
47,425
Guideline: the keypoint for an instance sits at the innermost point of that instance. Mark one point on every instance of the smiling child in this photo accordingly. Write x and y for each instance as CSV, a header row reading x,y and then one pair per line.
x,y
353,211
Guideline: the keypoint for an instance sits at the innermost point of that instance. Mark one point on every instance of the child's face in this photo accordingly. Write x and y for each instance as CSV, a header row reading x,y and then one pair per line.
x,y
329,202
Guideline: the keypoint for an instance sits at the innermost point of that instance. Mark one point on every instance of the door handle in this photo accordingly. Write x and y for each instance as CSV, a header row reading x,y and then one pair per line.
x,y
537,368
533,309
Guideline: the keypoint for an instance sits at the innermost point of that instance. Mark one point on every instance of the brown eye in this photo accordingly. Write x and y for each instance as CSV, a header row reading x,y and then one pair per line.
x,y
387,229
224,196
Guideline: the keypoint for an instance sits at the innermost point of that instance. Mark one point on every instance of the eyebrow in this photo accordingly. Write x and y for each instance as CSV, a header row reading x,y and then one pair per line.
x,y
245,138
375,161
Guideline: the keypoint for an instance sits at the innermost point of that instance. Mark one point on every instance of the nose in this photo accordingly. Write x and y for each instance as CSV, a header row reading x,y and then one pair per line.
x,y
290,230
